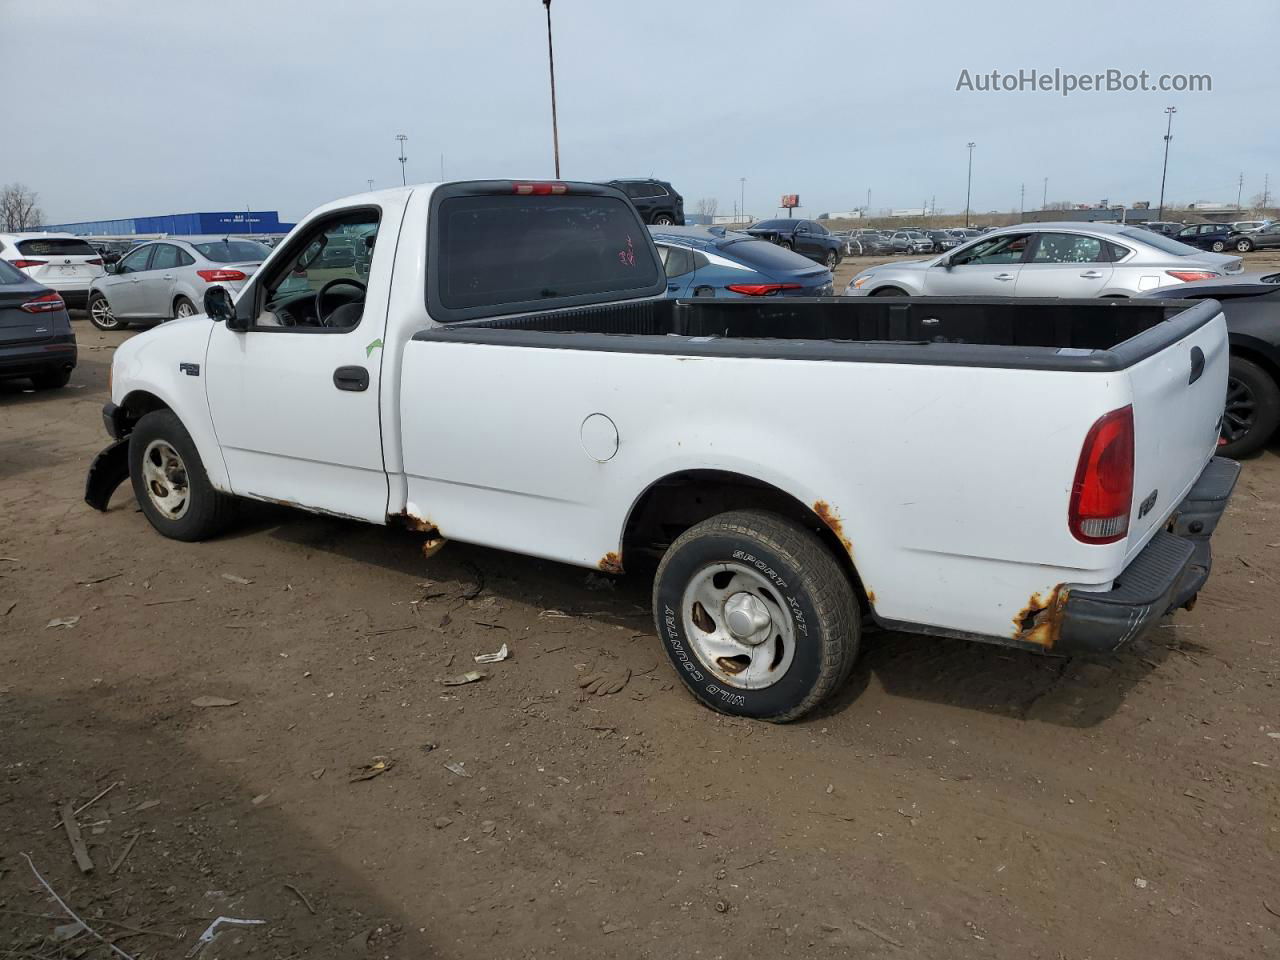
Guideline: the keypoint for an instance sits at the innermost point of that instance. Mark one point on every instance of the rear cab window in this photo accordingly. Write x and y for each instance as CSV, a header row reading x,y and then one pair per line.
x,y
496,252
55,247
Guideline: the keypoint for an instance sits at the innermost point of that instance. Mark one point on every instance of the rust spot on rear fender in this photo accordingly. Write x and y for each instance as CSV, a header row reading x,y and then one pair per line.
x,y
610,563
1040,621
830,518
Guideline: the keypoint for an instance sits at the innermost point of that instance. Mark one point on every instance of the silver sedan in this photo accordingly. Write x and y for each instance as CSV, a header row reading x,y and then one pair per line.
x,y
1048,260
168,278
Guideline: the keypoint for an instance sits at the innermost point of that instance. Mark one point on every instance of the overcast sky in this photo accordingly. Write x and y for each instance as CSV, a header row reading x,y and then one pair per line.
x,y
142,107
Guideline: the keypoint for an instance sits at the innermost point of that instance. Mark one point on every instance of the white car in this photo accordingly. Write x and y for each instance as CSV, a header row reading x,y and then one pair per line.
x,y
508,372
60,261
1049,260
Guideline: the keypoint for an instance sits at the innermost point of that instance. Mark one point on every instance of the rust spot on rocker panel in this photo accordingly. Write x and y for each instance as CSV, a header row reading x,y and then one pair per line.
x,y
610,563
434,542
1041,619
829,517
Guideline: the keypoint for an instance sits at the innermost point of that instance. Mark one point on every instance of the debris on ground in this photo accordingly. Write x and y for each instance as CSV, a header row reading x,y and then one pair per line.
x,y
501,654
213,702
375,768
78,847
233,578
471,676
455,766
212,931
62,622
604,682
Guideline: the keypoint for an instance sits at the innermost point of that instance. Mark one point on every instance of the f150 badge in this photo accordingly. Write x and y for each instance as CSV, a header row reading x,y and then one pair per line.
x,y
1145,507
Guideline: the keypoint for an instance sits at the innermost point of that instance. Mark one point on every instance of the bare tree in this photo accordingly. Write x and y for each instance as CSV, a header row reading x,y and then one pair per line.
x,y
708,206
19,208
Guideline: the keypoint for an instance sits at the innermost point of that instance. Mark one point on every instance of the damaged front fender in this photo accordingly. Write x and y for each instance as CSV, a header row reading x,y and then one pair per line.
x,y
109,469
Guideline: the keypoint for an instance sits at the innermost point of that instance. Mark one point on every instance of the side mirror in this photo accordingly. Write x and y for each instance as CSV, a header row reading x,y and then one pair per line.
x,y
219,307
110,266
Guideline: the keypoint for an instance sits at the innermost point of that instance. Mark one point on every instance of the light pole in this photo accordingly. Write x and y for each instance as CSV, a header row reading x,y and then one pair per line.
x,y
742,198
1044,200
551,62
968,191
370,182
402,138
1164,172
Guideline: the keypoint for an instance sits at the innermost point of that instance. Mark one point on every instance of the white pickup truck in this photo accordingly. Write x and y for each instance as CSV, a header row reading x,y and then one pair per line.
x,y
494,362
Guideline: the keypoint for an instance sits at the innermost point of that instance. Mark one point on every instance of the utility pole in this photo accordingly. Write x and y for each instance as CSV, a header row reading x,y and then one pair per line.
x,y
370,182
742,198
968,191
1044,200
1168,135
1239,189
402,138
1022,200
551,62
868,201
1266,190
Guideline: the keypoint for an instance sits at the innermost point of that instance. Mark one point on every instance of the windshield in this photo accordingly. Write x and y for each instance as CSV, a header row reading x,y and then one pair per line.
x,y
233,251
1162,243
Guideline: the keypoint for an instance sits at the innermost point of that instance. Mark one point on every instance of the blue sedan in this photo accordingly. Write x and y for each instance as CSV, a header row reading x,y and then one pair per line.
x,y
715,262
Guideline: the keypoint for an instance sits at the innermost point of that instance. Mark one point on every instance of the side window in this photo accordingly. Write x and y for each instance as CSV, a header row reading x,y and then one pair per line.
x,y
1187,232
185,259
664,252
333,256
633,190
679,261
820,230
1008,248
802,226
650,191
1116,252
165,257
1068,248
136,261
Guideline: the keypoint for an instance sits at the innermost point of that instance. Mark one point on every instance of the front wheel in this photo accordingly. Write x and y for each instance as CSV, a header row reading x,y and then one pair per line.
x,y
832,260
100,314
756,615
170,483
889,292
1252,411
785,244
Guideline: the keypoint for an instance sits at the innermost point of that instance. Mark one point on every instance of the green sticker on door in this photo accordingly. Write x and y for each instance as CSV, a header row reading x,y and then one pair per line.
x,y
375,345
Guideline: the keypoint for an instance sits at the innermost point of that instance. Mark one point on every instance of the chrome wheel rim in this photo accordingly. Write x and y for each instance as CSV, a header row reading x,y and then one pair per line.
x,y
737,625
100,311
165,477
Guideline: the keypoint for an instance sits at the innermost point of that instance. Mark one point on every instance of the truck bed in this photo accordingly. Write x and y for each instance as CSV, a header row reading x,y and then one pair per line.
x,y
1031,333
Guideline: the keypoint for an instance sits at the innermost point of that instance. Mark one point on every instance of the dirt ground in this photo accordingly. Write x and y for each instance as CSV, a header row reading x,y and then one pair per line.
x,y
955,800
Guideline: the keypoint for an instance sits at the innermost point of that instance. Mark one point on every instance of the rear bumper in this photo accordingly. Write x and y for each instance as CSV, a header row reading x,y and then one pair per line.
x,y
32,358
1166,575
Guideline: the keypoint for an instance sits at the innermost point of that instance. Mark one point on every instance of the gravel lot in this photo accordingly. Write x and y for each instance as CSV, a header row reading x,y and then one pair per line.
x,y
955,801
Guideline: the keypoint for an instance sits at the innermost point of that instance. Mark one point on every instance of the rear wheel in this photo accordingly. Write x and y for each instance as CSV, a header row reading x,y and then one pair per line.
x,y
664,220
170,483
100,314
1252,411
182,307
51,379
756,615
1244,244
1218,246
785,244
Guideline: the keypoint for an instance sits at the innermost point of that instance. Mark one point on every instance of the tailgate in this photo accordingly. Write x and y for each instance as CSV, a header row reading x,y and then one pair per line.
x,y
1178,396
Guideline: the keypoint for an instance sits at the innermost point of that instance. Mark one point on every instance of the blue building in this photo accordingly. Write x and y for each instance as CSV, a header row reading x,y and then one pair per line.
x,y
179,224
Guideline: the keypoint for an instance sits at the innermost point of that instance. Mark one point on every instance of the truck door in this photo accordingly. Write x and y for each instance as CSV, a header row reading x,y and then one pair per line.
x,y
294,398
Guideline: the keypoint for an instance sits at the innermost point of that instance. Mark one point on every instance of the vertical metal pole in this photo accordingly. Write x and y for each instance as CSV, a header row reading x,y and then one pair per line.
x,y
968,190
742,198
1164,172
551,61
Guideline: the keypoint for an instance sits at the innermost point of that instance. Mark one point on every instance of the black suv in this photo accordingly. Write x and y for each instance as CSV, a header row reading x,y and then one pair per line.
x,y
656,200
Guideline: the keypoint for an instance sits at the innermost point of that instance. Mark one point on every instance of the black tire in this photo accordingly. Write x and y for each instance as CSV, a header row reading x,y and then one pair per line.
x,y
814,602
785,244
207,511
1244,245
1252,411
1218,246
51,379
832,260
100,314
179,303
889,292
664,220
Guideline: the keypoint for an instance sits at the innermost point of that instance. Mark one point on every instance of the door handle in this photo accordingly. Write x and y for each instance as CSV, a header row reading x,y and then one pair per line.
x,y
1091,275
1003,276
135,280
354,379
167,276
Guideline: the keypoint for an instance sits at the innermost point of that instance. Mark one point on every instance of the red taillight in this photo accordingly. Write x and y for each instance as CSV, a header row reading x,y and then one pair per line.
x,y
1187,276
23,264
46,303
539,189
1102,495
761,289
96,261
221,276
